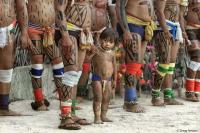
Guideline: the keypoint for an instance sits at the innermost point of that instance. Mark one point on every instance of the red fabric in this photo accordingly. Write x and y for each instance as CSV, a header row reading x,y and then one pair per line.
x,y
133,68
197,86
38,94
122,68
65,110
139,73
142,82
86,67
190,85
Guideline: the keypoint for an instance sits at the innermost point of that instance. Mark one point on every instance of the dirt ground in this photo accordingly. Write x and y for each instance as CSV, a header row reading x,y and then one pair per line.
x,y
170,119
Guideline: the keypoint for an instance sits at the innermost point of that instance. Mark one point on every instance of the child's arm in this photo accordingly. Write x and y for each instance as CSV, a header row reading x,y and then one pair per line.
x,y
92,51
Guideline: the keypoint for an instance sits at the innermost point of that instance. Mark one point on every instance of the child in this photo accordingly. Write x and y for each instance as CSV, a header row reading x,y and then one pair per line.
x,y
104,75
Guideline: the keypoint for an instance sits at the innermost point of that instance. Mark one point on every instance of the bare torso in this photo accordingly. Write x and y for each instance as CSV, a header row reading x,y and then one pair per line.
x,y
41,12
172,10
193,15
79,14
99,15
102,63
138,9
7,12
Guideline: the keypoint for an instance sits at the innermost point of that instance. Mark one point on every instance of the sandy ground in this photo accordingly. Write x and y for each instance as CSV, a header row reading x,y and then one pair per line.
x,y
169,119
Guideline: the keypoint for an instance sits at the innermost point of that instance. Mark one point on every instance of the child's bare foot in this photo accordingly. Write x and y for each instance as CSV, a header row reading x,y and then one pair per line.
x,y
105,119
97,120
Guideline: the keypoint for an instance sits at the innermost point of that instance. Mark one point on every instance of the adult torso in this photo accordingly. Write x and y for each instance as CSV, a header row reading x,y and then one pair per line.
x,y
7,12
138,9
41,12
99,14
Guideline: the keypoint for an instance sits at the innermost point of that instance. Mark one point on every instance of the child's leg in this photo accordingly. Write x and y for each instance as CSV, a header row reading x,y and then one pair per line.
x,y
97,91
105,102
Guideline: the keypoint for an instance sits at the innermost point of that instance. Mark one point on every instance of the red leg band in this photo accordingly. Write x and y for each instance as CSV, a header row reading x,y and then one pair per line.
x,y
133,68
86,67
197,86
190,85
38,94
66,108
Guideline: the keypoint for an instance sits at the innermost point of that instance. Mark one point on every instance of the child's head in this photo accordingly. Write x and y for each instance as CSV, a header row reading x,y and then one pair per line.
x,y
107,38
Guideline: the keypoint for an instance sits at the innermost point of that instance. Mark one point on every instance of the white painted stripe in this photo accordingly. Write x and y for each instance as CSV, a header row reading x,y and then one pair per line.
x,y
37,66
58,66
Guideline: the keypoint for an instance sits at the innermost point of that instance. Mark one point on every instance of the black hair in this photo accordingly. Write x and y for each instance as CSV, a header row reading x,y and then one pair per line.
x,y
108,34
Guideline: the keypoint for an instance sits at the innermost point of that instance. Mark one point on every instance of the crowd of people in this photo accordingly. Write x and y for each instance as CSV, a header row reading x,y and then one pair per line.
x,y
80,36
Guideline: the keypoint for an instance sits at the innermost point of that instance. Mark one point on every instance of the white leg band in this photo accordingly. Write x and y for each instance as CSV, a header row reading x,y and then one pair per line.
x,y
194,65
6,76
70,78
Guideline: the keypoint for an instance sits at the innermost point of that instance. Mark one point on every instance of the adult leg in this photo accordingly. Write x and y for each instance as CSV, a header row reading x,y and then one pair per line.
x,y
82,84
132,58
169,98
163,49
81,57
6,64
36,52
65,85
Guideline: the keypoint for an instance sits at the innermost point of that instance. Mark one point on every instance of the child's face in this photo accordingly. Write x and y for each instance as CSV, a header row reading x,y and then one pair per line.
x,y
107,45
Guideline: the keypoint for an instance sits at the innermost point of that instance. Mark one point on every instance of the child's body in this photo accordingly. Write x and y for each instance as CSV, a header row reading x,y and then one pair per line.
x,y
104,74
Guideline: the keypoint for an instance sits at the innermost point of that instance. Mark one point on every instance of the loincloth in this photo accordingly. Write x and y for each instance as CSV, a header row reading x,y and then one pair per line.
x,y
104,82
144,29
46,44
84,37
5,34
175,29
139,29
95,77
46,33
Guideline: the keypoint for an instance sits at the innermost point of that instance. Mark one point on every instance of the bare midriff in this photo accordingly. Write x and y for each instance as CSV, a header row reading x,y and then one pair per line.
x,y
99,15
7,12
41,12
103,65
138,9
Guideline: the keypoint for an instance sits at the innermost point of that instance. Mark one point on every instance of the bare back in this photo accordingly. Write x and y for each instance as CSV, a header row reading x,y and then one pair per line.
x,y
138,9
7,12
193,15
102,63
41,12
